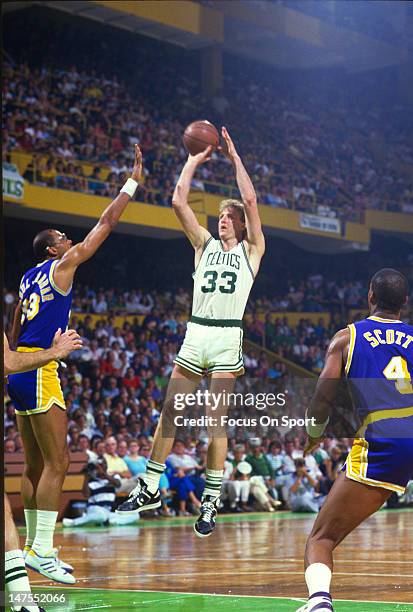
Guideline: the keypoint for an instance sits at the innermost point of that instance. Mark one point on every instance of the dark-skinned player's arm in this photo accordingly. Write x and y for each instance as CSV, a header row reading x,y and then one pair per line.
x,y
326,390
255,237
196,234
63,344
15,332
79,253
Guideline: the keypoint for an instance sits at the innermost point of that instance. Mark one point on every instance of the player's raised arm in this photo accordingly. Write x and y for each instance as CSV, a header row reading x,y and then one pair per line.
x,y
79,253
255,237
327,387
63,344
197,234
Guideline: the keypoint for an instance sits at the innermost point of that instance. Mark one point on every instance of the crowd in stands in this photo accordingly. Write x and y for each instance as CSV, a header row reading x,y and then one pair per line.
x,y
160,324
114,387
82,126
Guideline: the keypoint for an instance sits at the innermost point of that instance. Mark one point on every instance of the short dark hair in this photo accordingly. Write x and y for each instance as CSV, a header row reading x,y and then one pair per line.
x,y
41,242
390,288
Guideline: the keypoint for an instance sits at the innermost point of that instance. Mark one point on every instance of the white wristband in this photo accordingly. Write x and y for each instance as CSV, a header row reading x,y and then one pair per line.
x,y
130,187
317,430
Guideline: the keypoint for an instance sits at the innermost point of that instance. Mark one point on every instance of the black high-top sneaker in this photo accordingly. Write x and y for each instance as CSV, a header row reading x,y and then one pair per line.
x,y
140,499
205,524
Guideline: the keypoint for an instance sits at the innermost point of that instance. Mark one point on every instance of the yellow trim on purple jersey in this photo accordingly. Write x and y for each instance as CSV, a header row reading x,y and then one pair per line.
x,y
380,415
357,465
353,332
36,391
381,320
53,284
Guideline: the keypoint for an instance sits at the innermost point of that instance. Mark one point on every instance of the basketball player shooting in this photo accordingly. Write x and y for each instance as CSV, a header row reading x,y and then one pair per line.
x,y
225,270
44,306
376,356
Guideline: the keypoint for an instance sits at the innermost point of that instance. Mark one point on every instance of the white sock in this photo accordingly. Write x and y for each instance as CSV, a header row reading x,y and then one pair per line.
x,y
154,471
30,516
318,579
213,483
43,541
16,576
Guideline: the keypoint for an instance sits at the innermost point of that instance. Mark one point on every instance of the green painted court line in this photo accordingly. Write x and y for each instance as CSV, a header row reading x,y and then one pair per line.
x,y
123,600
223,518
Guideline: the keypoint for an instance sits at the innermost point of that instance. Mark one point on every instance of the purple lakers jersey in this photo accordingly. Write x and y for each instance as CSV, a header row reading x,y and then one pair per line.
x,y
380,370
45,307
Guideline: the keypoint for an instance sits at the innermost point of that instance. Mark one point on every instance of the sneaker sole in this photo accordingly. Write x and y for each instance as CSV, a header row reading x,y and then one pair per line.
x,y
35,569
202,535
143,509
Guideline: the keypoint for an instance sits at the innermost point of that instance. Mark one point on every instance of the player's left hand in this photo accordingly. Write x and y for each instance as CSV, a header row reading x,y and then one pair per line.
x,y
137,166
312,444
228,149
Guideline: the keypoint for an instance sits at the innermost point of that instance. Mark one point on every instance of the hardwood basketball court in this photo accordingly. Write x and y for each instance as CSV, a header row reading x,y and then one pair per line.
x,y
252,562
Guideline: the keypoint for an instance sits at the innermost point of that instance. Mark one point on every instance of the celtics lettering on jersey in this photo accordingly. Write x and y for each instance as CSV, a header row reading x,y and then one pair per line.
x,y
222,282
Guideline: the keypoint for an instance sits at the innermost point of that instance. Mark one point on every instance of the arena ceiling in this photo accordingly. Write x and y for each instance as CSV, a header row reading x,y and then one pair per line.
x,y
264,31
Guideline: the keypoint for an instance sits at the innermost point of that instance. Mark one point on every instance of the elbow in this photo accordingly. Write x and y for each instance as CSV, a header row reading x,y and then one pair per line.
x,y
176,203
250,202
107,224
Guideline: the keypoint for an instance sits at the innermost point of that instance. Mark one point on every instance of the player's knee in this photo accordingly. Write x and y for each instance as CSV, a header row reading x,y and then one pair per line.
x,y
33,471
58,464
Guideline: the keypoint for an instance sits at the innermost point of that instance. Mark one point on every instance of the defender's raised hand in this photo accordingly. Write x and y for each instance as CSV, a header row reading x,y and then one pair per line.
x,y
137,166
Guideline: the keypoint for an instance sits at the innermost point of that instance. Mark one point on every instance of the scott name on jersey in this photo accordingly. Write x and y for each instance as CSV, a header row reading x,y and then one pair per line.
x,y
388,336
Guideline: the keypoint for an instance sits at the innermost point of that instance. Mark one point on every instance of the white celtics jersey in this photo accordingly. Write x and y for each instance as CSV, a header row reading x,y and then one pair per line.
x,y
222,282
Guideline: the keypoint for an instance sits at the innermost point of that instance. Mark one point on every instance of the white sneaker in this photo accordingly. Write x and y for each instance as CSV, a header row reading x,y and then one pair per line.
x,y
66,566
49,566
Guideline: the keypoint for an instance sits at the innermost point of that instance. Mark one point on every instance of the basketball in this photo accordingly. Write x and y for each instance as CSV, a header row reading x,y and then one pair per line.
x,y
199,135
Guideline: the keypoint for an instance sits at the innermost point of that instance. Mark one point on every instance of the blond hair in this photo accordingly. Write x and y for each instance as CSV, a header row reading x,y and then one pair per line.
x,y
236,204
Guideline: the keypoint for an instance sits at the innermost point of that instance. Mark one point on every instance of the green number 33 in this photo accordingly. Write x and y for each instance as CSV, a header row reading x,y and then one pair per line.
x,y
212,276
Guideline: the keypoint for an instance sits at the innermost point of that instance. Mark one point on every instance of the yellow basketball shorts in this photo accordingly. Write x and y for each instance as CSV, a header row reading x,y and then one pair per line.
x,y
36,391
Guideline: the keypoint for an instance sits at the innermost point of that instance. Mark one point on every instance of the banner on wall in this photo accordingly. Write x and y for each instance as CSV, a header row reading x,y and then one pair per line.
x,y
13,183
321,224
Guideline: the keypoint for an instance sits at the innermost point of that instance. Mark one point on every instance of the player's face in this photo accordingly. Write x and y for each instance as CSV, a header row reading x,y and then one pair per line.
x,y
230,224
61,243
